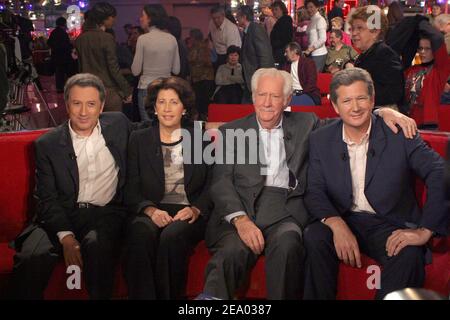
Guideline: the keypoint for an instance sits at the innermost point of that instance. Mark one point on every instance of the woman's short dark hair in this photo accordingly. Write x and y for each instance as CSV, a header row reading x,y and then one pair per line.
x,y
179,85
280,5
316,3
233,49
61,22
157,14
246,11
100,12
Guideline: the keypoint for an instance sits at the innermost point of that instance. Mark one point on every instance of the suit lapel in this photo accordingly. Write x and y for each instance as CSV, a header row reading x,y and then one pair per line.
x,y
289,136
377,144
339,149
151,147
68,154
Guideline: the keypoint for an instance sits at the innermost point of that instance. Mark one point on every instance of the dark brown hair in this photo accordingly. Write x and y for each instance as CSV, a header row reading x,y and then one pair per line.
x,y
179,85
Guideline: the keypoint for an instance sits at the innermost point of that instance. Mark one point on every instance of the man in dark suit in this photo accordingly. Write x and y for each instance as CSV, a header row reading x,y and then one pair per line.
x,y
258,184
61,47
256,50
361,190
258,200
80,175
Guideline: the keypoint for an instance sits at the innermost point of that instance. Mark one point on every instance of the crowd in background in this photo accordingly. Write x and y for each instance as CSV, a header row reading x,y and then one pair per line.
x,y
404,56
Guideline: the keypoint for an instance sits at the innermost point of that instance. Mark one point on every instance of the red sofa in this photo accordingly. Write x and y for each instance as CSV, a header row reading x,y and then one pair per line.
x,y
17,175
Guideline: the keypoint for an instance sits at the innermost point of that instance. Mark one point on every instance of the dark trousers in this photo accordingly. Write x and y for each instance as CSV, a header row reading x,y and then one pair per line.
x,y
232,261
407,269
62,73
157,259
203,92
97,229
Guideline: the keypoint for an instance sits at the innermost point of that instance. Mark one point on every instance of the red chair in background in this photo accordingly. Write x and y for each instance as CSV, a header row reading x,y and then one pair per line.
x,y
323,83
444,117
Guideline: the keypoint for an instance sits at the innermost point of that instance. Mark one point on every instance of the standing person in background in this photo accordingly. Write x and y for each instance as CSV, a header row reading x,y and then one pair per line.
x,y
269,19
174,27
394,15
223,34
317,34
336,11
132,40
97,54
202,72
61,47
442,23
380,60
156,52
282,32
300,35
256,51
229,79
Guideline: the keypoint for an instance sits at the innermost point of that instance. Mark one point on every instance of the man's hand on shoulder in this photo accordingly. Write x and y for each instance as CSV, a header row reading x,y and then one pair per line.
x,y
250,234
393,118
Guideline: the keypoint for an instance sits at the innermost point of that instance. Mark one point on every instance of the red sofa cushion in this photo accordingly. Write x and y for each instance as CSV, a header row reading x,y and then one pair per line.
x,y
17,172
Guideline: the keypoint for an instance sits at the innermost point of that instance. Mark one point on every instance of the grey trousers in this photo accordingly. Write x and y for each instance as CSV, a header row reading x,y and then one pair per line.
x,y
232,261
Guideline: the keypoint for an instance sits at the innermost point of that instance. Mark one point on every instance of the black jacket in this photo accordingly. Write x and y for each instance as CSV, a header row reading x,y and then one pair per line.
x,y
57,178
61,47
386,69
280,37
145,184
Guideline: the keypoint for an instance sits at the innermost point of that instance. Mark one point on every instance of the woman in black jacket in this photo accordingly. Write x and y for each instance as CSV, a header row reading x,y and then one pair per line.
x,y
167,192
282,32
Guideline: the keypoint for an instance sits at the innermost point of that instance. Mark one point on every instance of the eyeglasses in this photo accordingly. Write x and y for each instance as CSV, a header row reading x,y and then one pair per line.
x,y
423,49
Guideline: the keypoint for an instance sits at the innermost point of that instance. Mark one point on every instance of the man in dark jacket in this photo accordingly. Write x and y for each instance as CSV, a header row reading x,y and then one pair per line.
x,y
304,76
256,51
61,47
97,54
80,177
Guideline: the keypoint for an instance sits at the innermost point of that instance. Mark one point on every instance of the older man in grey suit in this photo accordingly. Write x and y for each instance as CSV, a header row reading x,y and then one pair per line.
x,y
258,185
256,49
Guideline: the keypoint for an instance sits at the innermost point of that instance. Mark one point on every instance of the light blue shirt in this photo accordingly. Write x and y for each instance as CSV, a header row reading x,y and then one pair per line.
x,y
274,163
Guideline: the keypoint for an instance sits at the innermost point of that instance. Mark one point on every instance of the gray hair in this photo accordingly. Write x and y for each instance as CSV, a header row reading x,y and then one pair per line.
x,y
85,80
272,72
442,20
347,77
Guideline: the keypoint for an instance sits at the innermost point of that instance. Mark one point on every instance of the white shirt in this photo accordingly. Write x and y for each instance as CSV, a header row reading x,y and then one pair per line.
x,y
317,34
358,159
156,57
294,72
224,36
97,170
277,171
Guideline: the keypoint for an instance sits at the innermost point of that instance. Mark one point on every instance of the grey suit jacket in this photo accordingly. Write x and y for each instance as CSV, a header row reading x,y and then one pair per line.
x,y
235,187
256,52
